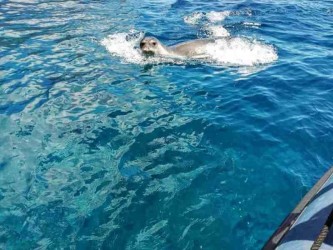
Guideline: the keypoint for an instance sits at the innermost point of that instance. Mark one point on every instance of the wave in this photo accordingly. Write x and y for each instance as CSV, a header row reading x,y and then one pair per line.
x,y
227,50
125,47
237,51
240,51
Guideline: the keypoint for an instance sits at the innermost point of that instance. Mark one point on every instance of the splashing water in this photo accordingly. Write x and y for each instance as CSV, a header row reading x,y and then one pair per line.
x,y
237,51
216,31
120,46
241,52
231,51
212,16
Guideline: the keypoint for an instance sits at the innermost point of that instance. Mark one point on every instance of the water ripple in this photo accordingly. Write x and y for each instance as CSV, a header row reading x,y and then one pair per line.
x,y
103,152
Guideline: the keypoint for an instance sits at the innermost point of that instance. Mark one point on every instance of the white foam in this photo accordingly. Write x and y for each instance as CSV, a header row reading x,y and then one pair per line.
x,y
237,51
123,45
241,52
214,16
217,31
211,17
118,45
193,18
207,21
252,24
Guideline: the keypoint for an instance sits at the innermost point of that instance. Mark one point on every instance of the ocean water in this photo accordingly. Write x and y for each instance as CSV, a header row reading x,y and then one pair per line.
x,y
101,148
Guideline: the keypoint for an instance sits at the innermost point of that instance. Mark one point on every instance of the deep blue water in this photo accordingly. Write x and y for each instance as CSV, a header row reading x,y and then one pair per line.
x,y
97,152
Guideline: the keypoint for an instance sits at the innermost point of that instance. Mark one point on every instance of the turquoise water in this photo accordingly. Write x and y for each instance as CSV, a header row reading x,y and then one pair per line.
x,y
100,148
